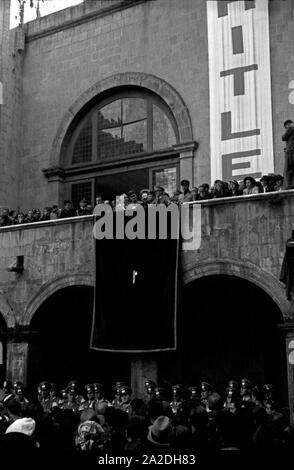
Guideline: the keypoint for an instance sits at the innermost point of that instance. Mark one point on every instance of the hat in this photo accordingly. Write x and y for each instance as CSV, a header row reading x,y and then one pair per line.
x,y
177,387
125,390
232,385
118,386
195,391
158,188
89,388
269,387
23,425
186,182
73,386
206,387
97,387
149,384
160,431
246,383
45,385
17,384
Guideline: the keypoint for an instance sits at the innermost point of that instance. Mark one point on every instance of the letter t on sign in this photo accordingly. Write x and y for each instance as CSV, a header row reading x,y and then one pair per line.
x,y
222,6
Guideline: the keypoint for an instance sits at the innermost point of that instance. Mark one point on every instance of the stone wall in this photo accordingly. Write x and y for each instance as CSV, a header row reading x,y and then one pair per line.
x,y
167,39
11,61
243,237
72,50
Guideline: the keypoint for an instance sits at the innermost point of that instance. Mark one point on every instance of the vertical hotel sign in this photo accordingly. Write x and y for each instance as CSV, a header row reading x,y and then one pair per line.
x,y
241,141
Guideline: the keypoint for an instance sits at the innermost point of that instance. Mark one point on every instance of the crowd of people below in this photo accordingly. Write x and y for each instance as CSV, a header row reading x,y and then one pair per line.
x,y
179,419
146,197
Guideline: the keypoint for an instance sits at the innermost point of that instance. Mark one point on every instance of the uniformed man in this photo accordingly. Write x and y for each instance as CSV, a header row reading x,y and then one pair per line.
x,y
54,391
45,399
20,397
90,403
82,209
15,385
150,387
246,392
126,396
74,400
159,195
186,195
177,401
232,392
116,402
62,400
74,388
101,402
269,397
194,394
206,391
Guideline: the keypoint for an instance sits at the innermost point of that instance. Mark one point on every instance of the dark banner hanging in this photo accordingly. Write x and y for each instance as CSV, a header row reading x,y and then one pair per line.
x,y
135,303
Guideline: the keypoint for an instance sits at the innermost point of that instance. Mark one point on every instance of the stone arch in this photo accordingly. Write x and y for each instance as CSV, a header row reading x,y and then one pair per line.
x,y
147,81
249,271
67,280
6,311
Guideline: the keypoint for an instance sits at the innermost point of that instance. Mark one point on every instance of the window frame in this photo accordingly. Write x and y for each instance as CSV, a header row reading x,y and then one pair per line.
x,y
92,114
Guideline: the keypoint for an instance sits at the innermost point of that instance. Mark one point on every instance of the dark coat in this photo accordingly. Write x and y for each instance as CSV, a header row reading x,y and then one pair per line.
x,y
287,270
288,137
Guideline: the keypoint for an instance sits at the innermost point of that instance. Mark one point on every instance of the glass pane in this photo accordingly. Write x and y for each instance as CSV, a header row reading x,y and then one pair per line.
x,y
167,178
135,138
134,109
109,143
83,147
110,115
163,133
80,191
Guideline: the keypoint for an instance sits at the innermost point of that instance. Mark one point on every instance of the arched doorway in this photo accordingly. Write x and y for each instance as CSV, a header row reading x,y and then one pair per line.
x,y
228,329
3,336
59,351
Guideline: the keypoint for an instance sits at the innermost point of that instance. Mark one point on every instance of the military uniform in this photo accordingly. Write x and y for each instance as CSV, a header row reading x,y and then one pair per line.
x,y
126,393
116,402
232,391
74,400
20,397
45,399
177,401
206,390
150,387
246,393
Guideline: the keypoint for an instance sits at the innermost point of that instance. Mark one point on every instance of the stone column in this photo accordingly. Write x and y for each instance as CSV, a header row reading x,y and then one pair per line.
x,y
288,329
186,152
141,369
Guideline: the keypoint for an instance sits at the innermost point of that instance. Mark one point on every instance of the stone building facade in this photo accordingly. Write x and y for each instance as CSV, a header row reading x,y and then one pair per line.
x,y
60,74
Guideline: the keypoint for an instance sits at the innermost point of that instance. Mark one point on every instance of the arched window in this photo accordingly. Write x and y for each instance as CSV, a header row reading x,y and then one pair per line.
x,y
125,141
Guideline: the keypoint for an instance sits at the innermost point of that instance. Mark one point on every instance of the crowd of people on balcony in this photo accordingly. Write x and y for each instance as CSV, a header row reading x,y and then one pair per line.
x,y
146,197
176,419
